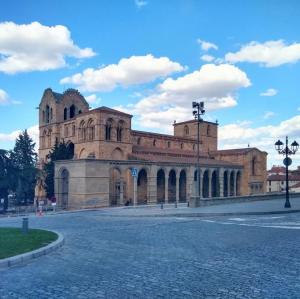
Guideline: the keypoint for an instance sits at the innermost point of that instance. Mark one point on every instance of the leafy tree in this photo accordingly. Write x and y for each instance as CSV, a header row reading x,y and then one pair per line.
x,y
60,151
7,176
24,160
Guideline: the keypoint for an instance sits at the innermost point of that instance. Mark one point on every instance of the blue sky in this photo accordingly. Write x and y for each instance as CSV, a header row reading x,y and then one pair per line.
x,y
152,59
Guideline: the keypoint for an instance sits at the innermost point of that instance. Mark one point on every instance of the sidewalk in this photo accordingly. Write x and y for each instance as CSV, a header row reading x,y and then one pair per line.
x,y
275,206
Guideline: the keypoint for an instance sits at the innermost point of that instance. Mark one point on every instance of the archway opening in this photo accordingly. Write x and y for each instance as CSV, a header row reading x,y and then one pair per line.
x,y
160,183
142,187
172,186
114,187
205,184
182,186
214,184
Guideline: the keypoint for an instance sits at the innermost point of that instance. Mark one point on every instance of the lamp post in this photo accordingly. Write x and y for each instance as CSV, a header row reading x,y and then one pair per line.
x,y
197,112
285,150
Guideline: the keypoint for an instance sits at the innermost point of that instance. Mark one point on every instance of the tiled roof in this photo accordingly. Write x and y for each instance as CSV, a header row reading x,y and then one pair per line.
x,y
165,151
237,151
297,185
176,156
281,177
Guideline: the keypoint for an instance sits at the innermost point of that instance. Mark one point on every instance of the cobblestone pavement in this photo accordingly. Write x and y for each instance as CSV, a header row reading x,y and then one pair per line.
x,y
113,257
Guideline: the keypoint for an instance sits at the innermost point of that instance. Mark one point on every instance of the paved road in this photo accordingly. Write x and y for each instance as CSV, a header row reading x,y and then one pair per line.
x,y
119,257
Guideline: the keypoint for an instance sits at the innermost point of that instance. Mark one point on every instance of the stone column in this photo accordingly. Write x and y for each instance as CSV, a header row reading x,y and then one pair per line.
x,y
121,192
134,190
221,182
177,187
152,185
189,182
228,183
209,183
234,183
166,187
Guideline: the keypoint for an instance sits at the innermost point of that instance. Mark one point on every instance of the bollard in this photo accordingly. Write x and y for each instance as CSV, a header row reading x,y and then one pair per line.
x,y
25,226
161,205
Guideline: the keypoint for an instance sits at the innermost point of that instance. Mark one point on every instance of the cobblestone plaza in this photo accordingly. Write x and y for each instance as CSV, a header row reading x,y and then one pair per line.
x,y
105,256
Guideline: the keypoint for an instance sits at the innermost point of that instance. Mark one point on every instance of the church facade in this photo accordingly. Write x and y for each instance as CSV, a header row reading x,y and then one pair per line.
x,y
114,165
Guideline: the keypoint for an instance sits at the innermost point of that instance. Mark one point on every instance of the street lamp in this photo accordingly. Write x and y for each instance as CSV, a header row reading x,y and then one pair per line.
x,y
197,112
279,146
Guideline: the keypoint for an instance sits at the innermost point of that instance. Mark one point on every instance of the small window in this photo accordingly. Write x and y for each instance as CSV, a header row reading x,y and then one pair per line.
x,y
181,145
72,111
186,130
169,144
138,141
208,130
79,112
65,113
154,142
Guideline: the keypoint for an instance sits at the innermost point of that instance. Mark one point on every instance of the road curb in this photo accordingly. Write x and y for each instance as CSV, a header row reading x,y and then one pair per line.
x,y
26,257
207,214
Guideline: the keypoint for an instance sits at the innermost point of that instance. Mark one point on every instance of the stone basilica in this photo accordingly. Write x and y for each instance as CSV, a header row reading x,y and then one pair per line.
x,y
115,165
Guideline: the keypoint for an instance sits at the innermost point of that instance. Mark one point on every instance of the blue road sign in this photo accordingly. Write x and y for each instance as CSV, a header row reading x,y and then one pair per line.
x,y
134,172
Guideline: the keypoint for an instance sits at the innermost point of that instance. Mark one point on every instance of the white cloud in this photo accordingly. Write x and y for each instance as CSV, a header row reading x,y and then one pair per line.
x,y
215,84
268,54
32,131
268,114
35,47
270,92
207,58
205,46
140,3
3,97
128,71
239,135
6,100
93,99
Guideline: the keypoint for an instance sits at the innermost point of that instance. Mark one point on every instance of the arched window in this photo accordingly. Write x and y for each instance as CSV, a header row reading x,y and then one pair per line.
x,y
139,141
47,114
51,113
65,113
72,111
79,112
91,130
208,130
81,131
120,131
253,162
108,127
43,117
186,130
154,142
169,144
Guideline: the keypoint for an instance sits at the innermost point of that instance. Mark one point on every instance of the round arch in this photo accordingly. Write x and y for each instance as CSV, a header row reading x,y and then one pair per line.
x,y
160,185
172,186
205,184
142,187
182,185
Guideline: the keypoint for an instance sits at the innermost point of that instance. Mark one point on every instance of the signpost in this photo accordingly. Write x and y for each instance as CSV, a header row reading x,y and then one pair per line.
x,y
134,174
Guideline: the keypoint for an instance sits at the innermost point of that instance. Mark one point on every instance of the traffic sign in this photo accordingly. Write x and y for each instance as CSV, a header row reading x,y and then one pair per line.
x,y
287,161
134,172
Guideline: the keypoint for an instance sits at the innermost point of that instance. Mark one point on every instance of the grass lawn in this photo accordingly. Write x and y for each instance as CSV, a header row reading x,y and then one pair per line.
x,y
14,242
